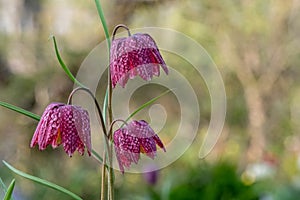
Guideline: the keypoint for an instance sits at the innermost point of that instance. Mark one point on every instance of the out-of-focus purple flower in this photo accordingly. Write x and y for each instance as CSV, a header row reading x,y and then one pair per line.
x,y
135,138
63,124
135,55
151,176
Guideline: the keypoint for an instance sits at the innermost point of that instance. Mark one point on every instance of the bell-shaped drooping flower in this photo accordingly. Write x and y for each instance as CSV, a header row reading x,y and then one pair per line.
x,y
64,124
135,138
134,55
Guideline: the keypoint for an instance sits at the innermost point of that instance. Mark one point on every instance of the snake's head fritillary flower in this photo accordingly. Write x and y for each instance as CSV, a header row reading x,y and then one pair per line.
x,y
63,124
135,55
135,138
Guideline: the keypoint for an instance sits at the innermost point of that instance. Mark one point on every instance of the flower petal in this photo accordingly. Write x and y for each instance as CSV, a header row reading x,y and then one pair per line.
x,y
47,129
135,55
135,138
149,147
126,148
159,142
82,124
70,137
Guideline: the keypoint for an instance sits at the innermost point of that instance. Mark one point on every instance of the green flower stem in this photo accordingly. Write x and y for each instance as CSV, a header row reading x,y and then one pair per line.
x,y
103,172
104,131
96,103
107,101
110,150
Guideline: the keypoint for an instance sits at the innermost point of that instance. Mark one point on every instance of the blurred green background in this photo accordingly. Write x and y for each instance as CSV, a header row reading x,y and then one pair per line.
x,y
256,46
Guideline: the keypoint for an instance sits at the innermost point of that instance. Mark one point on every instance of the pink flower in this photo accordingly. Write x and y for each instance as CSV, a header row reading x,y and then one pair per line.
x,y
135,138
135,55
64,124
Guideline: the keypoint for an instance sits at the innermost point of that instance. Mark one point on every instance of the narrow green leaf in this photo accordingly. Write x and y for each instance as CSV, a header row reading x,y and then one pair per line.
x,y
10,190
105,104
103,21
105,28
97,156
63,65
41,181
20,110
2,185
3,188
146,104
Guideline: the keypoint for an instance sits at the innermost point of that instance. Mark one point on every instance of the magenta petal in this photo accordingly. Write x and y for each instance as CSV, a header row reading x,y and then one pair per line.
x,y
135,138
82,124
69,129
132,56
53,128
48,127
146,71
149,147
159,142
124,148
65,124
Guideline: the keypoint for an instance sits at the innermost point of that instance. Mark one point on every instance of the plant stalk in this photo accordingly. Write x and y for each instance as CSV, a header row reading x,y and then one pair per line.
x,y
103,172
109,109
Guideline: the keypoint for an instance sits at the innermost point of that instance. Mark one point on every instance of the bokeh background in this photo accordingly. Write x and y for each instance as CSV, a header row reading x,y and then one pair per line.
x,y
256,46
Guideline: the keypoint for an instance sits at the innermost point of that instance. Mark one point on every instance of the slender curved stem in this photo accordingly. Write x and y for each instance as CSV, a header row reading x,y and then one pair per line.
x,y
107,101
112,124
107,147
117,27
103,172
95,101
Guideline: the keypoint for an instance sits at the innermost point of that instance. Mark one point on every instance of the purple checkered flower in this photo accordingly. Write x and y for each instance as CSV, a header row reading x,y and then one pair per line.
x,y
135,55
64,124
135,138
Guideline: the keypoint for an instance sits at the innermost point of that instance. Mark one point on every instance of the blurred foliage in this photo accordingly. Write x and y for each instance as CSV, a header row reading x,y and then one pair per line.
x,y
256,46
212,182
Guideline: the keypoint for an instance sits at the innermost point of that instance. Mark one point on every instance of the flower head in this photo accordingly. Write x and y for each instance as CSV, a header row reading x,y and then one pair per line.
x,y
135,138
63,124
135,55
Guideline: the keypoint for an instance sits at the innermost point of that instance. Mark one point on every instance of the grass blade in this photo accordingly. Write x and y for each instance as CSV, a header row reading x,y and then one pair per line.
x,y
20,110
97,156
42,181
103,21
4,190
8,195
63,65
105,104
146,104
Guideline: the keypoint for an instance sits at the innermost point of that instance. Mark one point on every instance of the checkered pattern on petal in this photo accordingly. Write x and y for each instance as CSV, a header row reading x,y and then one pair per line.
x,y
82,124
47,131
126,147
69,132
135,138
135,55
63,124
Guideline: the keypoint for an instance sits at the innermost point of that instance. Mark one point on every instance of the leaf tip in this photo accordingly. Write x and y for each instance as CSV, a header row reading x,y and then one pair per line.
x,y
51,37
